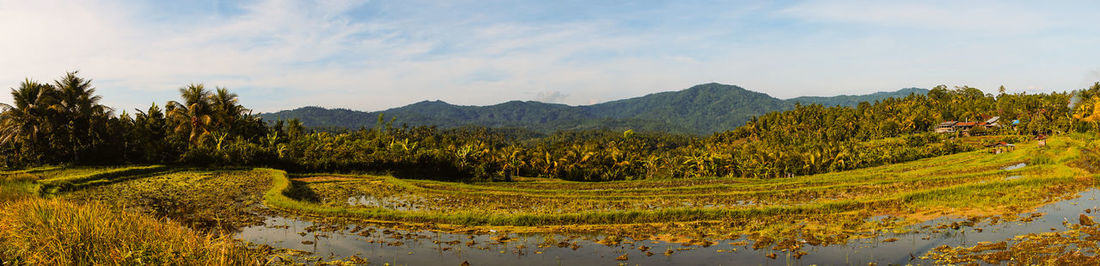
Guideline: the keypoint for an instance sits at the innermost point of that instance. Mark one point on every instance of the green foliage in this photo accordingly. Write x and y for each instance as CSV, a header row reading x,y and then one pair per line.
x,y
64,123
52,123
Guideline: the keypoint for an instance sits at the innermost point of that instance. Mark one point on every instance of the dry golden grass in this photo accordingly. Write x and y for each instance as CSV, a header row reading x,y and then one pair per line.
x,y
54,232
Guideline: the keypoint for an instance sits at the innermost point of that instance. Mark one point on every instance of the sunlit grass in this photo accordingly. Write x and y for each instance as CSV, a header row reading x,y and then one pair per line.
x,y
54,232
55,181
39,231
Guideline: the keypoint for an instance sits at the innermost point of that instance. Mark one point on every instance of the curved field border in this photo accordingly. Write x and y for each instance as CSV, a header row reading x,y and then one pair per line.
x,y
1053,182
69,183
281,183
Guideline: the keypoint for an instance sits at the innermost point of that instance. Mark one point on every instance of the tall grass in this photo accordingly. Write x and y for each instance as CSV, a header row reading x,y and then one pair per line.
x,y
53,232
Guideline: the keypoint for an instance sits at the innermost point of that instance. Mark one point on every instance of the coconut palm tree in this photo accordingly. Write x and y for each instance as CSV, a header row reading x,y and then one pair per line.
x,y
226,109
151,129
193,116
82,117
29,121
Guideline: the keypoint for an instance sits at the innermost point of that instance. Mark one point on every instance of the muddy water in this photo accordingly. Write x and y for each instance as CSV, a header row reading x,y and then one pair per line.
x,y
432,248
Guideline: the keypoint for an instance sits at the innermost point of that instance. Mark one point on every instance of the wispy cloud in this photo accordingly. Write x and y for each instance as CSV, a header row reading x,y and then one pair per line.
x,y
996,17
281,54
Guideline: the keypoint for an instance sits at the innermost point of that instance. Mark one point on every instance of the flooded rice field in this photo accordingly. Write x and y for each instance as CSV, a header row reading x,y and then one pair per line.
x,y
378,244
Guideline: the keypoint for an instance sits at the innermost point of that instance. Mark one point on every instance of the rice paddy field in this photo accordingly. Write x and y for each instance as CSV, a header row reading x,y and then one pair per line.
x,y
1031,205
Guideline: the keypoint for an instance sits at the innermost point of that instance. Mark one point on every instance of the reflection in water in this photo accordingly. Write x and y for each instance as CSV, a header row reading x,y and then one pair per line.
x,y
383,245
1014,166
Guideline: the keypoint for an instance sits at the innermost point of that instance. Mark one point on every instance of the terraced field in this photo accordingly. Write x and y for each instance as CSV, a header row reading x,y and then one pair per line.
x,y
203,199
972,183
774,214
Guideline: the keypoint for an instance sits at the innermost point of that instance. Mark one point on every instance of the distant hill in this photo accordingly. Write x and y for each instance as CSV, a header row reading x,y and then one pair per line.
x,y
701,109
853,100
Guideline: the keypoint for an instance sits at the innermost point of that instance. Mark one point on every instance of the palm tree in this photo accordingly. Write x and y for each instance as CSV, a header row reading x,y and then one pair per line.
x,y
151,129
226,108
28,121
193,116
82,115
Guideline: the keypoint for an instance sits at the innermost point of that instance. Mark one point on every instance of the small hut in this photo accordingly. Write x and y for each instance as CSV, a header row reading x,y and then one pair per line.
x,y
1000,147
946,127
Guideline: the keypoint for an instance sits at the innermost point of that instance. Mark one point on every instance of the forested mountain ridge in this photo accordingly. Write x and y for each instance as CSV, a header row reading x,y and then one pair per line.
x,y
853,100
701,109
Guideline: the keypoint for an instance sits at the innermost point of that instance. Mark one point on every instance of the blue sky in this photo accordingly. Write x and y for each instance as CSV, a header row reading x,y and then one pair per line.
x,y
373,55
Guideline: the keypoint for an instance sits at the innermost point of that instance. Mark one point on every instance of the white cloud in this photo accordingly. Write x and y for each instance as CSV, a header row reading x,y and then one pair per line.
x,y
317,54
283,54
270,41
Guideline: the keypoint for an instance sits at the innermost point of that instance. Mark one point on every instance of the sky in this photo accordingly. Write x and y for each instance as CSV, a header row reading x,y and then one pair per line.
x,y
374,55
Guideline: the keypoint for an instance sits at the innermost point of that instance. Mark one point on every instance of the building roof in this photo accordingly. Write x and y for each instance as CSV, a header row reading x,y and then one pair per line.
x,y
947,124
966,124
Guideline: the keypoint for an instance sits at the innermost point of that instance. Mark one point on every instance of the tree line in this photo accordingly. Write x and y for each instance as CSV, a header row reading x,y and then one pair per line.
x,y
63,123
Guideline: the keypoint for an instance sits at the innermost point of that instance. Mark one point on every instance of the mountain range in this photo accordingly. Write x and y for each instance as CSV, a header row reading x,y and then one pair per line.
x,y
701,109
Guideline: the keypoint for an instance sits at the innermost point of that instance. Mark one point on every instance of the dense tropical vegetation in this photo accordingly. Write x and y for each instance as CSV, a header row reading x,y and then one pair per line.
x,y
63,123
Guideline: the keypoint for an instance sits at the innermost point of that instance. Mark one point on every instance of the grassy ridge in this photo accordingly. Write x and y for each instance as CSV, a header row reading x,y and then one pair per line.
x,y
276,197
71,182
17,187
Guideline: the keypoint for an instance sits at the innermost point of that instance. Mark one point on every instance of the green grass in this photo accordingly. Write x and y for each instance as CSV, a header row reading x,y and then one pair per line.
x,y
17,187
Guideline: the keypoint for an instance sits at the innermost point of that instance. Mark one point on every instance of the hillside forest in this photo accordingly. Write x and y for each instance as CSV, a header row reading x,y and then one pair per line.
x,y
63,122
702,109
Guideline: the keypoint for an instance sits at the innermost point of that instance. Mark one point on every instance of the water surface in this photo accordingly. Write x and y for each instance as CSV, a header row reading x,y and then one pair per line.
x,y
399,247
